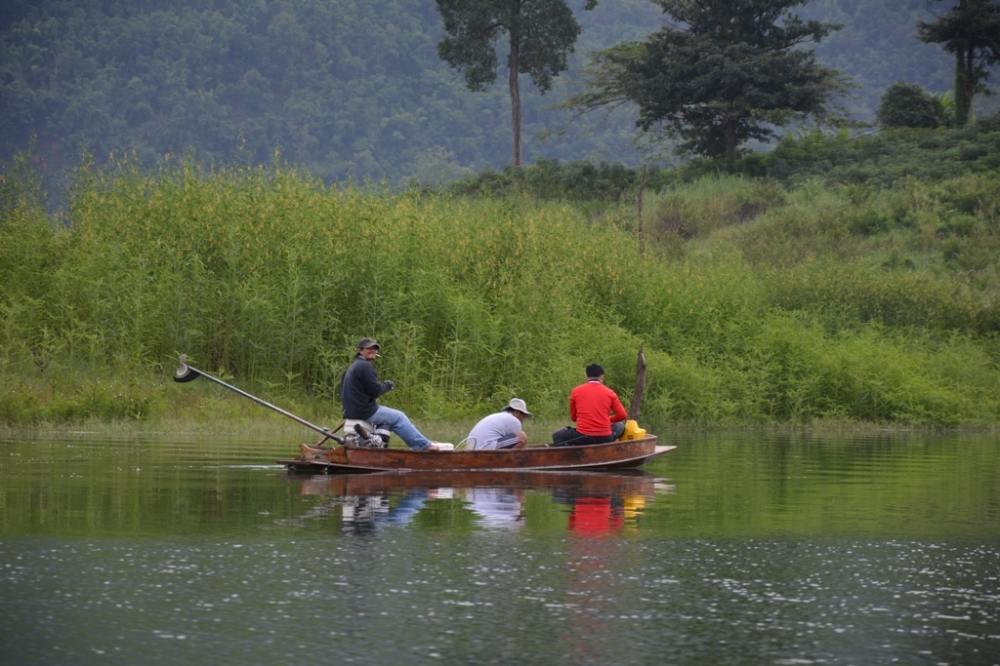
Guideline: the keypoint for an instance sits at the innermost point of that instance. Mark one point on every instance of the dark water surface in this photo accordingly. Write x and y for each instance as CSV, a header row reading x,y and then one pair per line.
x,y
733,549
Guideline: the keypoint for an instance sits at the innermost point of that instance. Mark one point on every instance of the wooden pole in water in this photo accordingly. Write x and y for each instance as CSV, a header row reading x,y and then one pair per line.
x,y
638,213
640,386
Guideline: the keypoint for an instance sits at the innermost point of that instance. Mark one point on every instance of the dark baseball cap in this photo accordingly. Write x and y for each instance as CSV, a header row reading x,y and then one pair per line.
x,y
368,343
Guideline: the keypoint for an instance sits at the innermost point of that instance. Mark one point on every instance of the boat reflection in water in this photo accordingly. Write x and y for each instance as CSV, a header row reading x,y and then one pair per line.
x,y
598,503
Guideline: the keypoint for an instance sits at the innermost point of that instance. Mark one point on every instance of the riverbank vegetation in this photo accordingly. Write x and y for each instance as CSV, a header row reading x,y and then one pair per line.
x,y
755,299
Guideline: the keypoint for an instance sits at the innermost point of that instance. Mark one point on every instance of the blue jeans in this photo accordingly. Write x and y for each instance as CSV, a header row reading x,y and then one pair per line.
x,y
399,423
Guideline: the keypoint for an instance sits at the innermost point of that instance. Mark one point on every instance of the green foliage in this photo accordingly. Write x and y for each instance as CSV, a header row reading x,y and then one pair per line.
x,y
711,203
579,182
352,92
971,31
916,241
881,159
728,75
855,291
30,251
270,277
909,105
864,377
76,399
539,35
817,302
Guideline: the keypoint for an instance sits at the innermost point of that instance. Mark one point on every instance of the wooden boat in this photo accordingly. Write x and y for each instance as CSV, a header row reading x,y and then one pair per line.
x,y
345,457
613,455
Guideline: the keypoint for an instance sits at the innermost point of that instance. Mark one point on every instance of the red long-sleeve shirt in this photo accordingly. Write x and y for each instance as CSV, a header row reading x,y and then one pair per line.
x,y
594,407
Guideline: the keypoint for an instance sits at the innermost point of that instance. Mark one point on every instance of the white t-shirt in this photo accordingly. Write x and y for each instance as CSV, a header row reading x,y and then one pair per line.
x,y
494,431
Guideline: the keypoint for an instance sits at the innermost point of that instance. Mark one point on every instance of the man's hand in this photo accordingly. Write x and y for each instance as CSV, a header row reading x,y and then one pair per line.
x,y
388,385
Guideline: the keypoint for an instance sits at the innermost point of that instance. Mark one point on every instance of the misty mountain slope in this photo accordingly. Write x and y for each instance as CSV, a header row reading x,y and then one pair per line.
x,y
350,90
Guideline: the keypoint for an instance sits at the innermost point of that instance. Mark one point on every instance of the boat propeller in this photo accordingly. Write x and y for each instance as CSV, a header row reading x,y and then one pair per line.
x,y
184,372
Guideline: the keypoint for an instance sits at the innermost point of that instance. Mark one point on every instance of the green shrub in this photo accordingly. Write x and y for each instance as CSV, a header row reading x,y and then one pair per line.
x,y
909,105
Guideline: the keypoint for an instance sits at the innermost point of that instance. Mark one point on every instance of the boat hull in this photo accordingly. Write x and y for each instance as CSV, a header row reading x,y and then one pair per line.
x,y
347,459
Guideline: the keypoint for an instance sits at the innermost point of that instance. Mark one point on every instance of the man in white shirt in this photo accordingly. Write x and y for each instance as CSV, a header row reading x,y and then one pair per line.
x,y
502,430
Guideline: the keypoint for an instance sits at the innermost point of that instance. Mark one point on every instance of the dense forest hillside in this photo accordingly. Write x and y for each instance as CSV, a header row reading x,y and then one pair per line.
x,y
350,90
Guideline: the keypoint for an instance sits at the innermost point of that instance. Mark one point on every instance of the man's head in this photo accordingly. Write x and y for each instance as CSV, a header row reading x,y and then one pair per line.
x,y
368,348
594,371
518,408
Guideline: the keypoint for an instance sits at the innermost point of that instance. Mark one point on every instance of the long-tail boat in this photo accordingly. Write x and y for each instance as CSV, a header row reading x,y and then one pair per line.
x,y
348,457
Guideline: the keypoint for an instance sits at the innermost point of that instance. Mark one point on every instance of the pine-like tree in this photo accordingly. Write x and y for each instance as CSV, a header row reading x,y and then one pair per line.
x,y
721,73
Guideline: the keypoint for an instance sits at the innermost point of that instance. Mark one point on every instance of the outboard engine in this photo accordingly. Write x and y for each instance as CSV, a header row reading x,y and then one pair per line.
x,y
384,436
367,438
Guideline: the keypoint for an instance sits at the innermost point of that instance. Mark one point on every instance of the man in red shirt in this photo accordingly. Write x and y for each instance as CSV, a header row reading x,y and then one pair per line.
x,y
595,409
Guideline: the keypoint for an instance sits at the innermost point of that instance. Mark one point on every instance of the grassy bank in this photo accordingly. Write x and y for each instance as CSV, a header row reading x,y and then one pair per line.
x,y
755,302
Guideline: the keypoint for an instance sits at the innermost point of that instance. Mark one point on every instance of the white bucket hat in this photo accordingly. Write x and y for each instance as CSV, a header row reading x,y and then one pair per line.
x,y
518,404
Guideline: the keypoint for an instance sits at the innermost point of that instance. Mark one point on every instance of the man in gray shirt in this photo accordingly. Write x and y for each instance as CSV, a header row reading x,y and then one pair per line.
x,y
502,430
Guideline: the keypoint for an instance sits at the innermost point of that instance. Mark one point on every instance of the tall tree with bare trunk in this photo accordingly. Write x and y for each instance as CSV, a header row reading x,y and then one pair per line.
x,y
540,34
970,30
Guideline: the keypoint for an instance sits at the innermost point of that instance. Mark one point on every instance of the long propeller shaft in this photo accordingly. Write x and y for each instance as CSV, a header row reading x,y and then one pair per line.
x,y
186,373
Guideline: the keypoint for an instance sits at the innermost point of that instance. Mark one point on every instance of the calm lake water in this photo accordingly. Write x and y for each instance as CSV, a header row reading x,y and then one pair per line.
x,y
733,549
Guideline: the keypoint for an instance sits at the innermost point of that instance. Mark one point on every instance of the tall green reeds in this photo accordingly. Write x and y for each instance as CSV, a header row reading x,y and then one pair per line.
x,y
781,306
